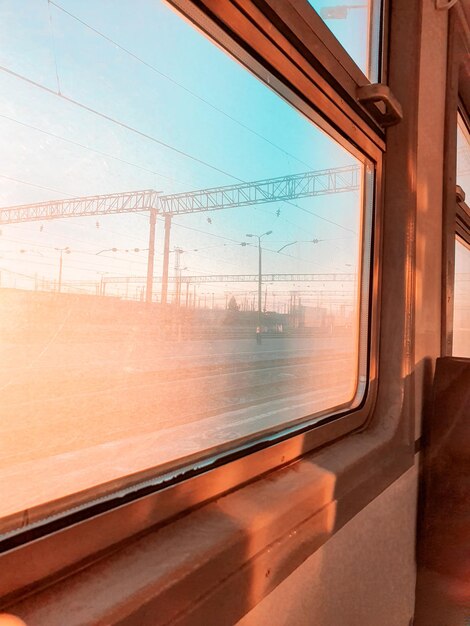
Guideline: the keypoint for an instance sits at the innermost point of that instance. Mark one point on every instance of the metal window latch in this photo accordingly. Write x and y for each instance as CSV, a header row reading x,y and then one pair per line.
x,y
368,95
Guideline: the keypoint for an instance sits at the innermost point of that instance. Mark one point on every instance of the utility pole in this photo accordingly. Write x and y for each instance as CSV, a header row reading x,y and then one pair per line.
x,y
258,330
166,258
61,250
60,273
151,255
178,253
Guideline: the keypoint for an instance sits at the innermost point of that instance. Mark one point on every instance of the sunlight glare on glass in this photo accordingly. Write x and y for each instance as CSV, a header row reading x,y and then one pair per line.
x,y
141,327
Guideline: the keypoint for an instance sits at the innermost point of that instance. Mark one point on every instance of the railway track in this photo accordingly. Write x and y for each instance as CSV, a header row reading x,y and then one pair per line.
x,y
52,418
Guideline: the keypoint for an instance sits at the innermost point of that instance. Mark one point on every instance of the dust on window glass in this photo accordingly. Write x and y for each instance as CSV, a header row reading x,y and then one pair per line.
x,y
123,351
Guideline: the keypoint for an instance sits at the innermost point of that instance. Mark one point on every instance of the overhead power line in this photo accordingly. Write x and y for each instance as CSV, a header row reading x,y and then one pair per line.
x,y
54,52
113,120
24,182
283,188
175,82
85,147
242,278
147,136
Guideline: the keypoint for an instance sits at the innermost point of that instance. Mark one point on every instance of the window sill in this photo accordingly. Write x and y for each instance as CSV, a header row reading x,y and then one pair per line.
x,y
49,486
231,552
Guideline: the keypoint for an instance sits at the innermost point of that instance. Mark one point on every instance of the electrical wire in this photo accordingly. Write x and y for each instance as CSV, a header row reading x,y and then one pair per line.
x,y
115,121
205,232
54,52
188,228
149,137
145,169
100,152
174,82
127,260
24,182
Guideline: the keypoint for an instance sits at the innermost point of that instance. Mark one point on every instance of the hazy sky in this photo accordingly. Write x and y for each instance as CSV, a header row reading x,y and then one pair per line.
x,y
194,98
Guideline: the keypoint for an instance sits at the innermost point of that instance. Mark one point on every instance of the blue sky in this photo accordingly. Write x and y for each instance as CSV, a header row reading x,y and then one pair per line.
x,y
243,128
352,31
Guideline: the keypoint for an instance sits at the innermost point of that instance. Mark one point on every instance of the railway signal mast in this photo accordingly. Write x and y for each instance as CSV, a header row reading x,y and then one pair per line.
x,y
280,189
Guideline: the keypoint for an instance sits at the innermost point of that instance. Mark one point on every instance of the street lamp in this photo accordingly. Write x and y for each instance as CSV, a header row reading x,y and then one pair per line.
x,y
179,279
258,330
121,250
62,250
106,250
102,291
293,242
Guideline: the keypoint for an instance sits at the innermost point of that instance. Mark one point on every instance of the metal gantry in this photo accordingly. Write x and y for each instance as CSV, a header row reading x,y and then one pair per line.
x,y
238,278
279,189
126,202
283,188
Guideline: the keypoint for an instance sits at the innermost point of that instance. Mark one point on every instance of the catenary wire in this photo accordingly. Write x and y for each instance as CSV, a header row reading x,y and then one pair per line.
x,y
147,136
175,82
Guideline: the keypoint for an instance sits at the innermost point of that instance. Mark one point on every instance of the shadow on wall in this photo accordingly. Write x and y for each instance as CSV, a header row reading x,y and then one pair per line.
x,y
363,576
443,583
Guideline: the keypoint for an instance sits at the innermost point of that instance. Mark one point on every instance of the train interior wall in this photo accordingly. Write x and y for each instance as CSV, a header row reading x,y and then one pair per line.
x,y
366,573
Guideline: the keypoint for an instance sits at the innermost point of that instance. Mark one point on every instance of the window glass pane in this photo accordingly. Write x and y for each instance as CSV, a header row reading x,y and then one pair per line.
x,y
463,155
256,297
357,26
461,330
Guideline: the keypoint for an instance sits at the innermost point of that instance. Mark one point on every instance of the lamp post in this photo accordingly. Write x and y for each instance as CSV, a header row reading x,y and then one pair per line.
x,y
102,290
149,269
106,250
293,242
178,270
121,250
259,237
61,250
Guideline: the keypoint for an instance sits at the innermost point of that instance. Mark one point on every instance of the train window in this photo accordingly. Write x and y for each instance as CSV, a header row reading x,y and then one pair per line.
x,y
185,256
461,327
463,155
461,314
357,26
